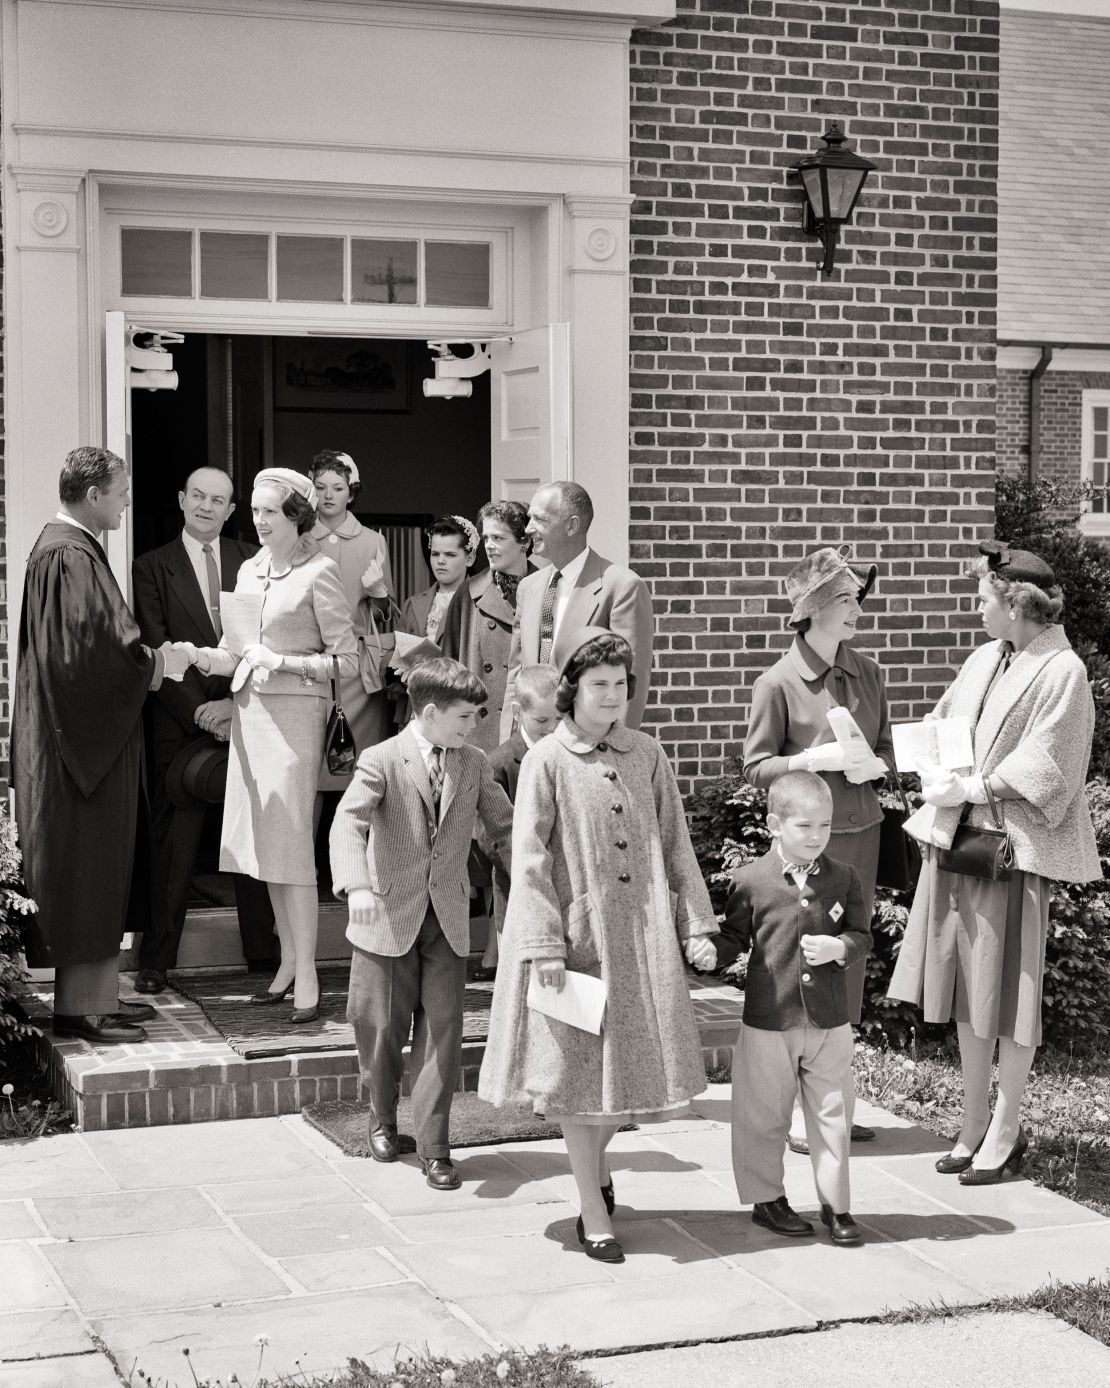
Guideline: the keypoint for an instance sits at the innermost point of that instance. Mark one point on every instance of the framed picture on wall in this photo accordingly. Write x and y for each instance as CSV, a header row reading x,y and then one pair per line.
x,y
342,374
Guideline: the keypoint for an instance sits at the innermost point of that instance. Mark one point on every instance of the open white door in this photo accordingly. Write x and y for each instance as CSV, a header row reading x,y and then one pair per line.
x,y
530,411
117,437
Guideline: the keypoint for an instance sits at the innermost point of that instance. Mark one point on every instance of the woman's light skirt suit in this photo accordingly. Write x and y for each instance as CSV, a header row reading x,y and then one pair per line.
x,y
279,720
354,547
974,950
603,876
790,703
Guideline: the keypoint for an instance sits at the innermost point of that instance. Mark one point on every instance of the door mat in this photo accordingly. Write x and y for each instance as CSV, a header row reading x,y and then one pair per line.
x,y
474,1123
257,1032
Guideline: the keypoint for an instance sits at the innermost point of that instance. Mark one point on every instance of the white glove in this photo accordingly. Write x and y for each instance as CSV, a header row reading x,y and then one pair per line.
x,y
176,662
261,657
373,580
701,952
944,791
837,756
870,770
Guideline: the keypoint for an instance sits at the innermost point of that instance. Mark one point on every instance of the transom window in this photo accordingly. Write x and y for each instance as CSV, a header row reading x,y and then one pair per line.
x,y
281,267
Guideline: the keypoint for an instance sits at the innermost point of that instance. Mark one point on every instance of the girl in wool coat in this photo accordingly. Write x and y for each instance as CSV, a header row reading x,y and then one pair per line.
x,y
974,949
605,882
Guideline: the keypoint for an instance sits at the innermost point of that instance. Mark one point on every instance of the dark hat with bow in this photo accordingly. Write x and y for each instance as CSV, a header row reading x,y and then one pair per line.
x,y
1016,565
197,776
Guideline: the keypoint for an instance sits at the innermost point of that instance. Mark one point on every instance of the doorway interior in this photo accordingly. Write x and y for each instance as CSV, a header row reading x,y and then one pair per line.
x,y
246,402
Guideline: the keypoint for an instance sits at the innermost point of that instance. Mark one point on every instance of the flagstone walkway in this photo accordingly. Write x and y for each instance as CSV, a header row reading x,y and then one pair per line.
x,y
151,1241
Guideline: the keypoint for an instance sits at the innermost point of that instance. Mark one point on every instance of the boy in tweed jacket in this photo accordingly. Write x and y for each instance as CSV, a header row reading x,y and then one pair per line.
x,y
802,916
399,849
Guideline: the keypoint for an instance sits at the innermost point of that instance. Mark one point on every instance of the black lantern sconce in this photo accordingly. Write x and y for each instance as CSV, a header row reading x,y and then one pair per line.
x,y
832,179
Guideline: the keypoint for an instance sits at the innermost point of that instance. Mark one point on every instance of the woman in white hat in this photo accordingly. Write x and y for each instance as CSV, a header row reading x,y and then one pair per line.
x,y
365,573
281,691
789,730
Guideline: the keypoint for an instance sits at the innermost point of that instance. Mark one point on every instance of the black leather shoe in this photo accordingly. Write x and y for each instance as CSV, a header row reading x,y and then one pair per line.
x,y
989,1176
797,1144
384,1142
105,1028
440,1173
135,1012
604,1250
842,1227
862,1134
306,1014
777,1216
150,981
266,998
950,1165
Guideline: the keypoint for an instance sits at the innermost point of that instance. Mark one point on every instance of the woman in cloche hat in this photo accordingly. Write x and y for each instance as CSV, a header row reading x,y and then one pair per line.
x,y
974,948
789,731
605,883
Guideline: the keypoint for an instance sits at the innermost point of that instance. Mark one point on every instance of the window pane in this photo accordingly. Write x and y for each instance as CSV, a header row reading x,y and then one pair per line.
x,y
156,262
383,272
456,274
234,266
310,269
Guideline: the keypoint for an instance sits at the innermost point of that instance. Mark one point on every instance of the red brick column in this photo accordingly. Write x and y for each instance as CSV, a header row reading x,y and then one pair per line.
x,y
774,411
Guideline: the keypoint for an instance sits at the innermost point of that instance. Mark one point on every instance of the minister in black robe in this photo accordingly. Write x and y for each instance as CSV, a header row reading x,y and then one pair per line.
x,y
82,675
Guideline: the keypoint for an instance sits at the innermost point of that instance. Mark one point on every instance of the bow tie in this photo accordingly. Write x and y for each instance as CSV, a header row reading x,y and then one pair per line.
x,y
810,869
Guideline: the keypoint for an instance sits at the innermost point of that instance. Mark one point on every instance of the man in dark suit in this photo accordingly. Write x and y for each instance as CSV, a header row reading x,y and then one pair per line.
x,y
580,589
177,590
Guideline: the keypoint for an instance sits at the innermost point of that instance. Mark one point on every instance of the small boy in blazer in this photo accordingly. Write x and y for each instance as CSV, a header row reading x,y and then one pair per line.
x,y
802,916
534,717
399,847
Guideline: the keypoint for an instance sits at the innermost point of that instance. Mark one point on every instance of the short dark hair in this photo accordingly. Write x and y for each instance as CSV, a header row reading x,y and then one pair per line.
x,y
513,515
208,467
330,460
444,682
796,790
299,510
87,467
446,526
574,500
601,650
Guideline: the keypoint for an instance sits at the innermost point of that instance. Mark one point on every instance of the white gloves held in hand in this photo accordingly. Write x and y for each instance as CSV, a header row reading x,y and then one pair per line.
x,y
841,756
946,789
373,580
701,952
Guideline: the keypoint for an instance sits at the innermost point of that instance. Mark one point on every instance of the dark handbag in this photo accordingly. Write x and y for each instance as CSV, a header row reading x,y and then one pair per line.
x,y
980,850
899,853
339,745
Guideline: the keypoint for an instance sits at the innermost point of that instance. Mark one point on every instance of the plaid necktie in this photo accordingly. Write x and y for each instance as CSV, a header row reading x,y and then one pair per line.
x,y
547,619
213,590
435,775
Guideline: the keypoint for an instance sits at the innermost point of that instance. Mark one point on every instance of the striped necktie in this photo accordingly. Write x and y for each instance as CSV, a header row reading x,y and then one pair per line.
x,y
435,775
213,590
547,619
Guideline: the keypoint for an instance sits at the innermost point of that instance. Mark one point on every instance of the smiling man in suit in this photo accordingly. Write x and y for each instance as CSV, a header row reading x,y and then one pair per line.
x,y
177,595
580,588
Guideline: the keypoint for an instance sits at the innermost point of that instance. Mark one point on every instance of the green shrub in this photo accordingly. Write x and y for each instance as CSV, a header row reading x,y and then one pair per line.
x,y
14,1028
727,828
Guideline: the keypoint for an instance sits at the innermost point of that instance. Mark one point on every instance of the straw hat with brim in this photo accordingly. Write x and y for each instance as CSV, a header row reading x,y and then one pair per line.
x,y
569,643
198,774
819,579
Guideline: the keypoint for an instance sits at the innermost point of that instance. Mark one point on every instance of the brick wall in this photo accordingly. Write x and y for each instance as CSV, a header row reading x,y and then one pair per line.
x,y
5,671
1061,430
774,411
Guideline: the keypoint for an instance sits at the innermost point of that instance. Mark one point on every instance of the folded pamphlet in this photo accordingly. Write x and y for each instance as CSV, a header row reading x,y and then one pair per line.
x,y
946,742
411,650
581,1003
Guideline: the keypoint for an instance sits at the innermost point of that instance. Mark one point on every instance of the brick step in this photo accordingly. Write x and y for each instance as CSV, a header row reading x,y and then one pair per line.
x,y
187,1073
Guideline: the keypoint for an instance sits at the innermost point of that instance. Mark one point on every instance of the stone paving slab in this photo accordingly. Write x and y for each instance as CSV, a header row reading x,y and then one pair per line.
x,y
17,1221
128,1212
982,1351
43,1334
78,1371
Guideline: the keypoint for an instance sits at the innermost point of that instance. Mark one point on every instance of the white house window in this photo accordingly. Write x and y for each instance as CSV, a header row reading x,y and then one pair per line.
x,y
1096,459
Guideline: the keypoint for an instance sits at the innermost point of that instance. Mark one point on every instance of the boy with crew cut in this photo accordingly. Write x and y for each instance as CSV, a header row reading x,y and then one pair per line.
x,y
399,847
801,914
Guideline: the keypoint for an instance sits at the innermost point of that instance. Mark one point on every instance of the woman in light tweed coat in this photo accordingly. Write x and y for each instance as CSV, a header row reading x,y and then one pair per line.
x,y
281,690
604,882
975,949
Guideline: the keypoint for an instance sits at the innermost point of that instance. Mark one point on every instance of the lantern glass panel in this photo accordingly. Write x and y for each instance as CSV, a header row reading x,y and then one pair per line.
x,y
843,187
814,191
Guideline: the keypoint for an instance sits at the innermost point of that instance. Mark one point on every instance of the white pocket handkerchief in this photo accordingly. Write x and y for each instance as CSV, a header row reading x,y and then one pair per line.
x,y
836,910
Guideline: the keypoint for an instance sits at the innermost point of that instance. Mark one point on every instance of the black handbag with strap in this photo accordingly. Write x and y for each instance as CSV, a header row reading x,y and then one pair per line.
x,y
899,853
339,745
984,850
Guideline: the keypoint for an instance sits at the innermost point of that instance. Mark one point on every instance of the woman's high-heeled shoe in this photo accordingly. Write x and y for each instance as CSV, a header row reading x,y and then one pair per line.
x,y
989,1176
952,1165
609,1195
266,999
604,1250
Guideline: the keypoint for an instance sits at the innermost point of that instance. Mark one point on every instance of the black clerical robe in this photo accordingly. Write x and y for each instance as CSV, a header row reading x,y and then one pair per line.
x,y
81,677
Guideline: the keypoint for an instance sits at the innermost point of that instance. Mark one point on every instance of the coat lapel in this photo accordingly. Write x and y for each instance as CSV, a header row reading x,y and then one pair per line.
x,y
492,602
183,578
452,775
529,610
584,599
417,770
1024,669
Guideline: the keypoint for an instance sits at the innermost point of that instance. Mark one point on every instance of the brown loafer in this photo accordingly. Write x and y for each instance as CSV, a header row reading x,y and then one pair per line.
x,y
384,1143
440,1173
106,1029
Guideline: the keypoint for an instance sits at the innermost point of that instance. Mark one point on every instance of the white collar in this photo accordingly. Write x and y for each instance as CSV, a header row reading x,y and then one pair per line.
x,y
423,746
572,571
72,520
195,547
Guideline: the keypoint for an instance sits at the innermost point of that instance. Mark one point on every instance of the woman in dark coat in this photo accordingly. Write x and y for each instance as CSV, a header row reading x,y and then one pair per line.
x,y
604,882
